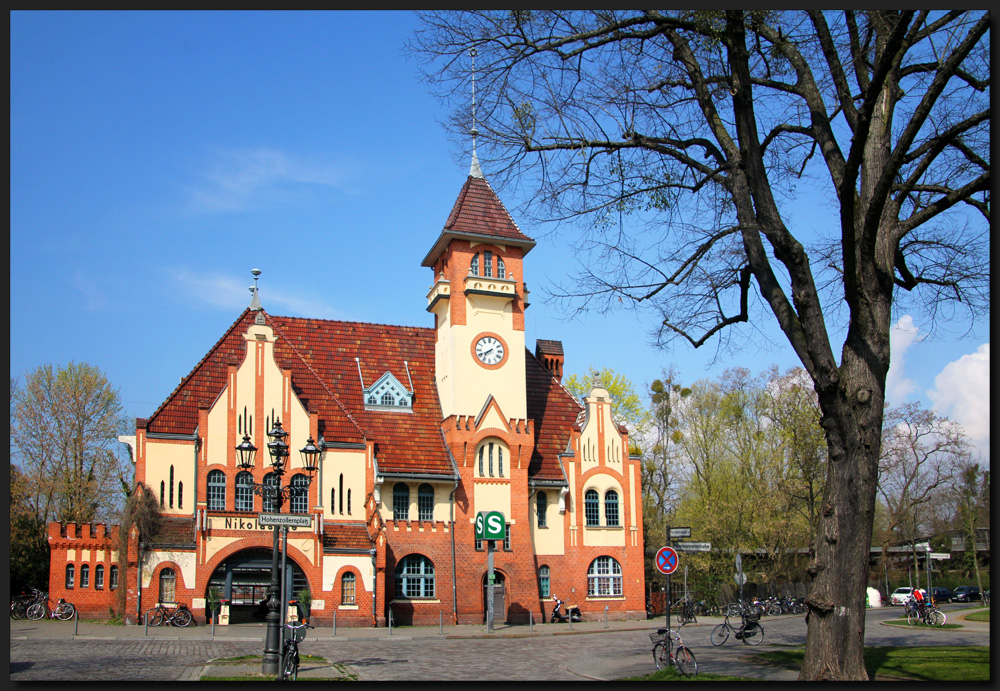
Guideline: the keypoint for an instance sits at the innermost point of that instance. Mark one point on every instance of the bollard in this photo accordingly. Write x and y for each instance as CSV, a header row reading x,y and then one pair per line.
x,y
390,618
214,617
441,623
76,621
605,616
145,628
531,620
335,623
569,613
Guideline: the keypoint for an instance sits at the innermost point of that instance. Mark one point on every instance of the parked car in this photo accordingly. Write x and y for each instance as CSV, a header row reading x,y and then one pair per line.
x,y
901,595
941,594
966,593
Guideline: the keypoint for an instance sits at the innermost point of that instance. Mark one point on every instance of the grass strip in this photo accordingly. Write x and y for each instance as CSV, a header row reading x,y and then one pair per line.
x,y
926,663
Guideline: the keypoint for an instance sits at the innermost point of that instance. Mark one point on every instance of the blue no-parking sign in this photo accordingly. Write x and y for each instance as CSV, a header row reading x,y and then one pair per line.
x,y
666,560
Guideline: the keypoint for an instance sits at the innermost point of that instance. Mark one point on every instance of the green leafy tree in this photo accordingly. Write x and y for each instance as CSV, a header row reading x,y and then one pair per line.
x,y
971,492
706,126
29,548
626,406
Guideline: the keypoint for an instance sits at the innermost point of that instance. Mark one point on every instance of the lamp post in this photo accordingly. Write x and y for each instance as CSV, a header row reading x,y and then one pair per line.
x,y
273,492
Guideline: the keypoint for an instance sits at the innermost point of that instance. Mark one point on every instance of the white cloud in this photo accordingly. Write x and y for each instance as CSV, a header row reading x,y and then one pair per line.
x,y
962,392
94,299
232,293
902,335
238,179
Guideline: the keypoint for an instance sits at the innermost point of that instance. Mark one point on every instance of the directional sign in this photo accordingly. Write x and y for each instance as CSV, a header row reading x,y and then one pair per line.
x,y
284,519
693,546
666,560
739,563
740,578
939,555
680,532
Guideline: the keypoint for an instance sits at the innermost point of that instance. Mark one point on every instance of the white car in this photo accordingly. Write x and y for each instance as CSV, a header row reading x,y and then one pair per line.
x,y
901,595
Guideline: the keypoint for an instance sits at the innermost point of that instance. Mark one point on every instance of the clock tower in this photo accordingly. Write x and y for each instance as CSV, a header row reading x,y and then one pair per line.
x,y
478,300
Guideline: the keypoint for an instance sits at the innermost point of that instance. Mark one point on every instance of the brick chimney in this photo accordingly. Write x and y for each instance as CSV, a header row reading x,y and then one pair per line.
x,y
550,354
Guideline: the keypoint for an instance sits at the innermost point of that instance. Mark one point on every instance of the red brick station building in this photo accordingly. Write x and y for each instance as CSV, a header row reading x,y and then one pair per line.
x,y
421,428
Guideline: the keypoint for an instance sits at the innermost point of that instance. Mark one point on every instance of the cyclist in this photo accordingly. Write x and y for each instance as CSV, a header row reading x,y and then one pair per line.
x,y
918,598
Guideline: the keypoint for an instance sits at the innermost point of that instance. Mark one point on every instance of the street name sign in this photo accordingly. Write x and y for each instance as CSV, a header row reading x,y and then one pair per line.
x,y
939,555
680,532
490,525
693,546
284,520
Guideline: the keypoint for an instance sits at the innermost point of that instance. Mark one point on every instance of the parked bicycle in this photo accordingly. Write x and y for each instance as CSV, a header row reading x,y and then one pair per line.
x,y
665,653
749,631
295,634
175,616
63,610
20,604
926,613
985,597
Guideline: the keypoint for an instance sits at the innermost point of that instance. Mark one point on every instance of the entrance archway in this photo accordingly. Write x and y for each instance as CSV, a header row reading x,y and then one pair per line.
x,y
244,578
499,597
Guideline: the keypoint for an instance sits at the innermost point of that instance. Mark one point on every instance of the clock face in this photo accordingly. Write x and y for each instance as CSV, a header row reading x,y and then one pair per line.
x,y
489,350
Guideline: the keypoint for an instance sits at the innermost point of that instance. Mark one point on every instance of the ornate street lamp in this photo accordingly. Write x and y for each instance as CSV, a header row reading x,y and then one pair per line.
x,y
275,495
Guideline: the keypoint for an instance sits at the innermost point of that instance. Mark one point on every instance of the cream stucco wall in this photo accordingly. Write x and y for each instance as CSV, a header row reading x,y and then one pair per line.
x,y
442,493
599,424
351,465
550,539
160,455
333,564
491,496
604,535
184,560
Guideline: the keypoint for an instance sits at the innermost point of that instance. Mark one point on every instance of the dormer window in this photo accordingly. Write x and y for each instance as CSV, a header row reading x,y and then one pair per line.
x,y
388,394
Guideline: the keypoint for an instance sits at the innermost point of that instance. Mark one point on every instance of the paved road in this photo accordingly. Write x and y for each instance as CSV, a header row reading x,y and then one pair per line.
x,y
50,651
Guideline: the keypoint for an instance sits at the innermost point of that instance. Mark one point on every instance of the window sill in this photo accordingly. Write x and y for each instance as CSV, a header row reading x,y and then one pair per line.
x,y
594,598
418,600
347,608
604,527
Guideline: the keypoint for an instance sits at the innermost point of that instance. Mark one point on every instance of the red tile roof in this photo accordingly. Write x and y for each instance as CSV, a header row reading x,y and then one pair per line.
x,y
343,536
478,212
174,531
555,412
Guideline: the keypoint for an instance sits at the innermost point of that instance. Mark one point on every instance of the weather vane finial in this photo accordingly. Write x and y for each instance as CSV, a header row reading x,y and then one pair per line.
x,y
475,171
255,305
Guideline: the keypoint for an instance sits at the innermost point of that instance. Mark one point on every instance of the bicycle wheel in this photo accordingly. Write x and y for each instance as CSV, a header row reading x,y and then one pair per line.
x,y
19,610
686,664
154,617
661,658
182,618
938,618
912,617
720,634
65,611
290,670
753,634
36,611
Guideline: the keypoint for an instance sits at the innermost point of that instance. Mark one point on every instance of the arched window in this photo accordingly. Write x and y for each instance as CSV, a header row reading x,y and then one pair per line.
x,y
85,576
244,492
543,581
341,493
99,577
488,264
300,500
592,507
372,400
542,502
70,575
163,488
501,269
400,502
604,578
425,502
333,502
168,585
482,453
171,487
216,490
270,502
180,495
348,502
499,460
611,507
387,399
113,578
474,267
348,589
415,577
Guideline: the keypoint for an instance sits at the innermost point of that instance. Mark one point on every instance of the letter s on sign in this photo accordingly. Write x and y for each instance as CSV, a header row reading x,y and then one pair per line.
x,y
479,524
494,522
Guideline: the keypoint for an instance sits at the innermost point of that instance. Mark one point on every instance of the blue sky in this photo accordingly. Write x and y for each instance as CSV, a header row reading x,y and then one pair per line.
x,y
156,157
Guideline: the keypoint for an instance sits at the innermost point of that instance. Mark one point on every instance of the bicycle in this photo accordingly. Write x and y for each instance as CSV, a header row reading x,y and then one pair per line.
x,y
63,610
178,616
19,605
290,650
985,598
750,632
665,654
928,614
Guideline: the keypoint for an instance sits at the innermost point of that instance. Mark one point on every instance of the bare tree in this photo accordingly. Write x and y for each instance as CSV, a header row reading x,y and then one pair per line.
x,y
705,125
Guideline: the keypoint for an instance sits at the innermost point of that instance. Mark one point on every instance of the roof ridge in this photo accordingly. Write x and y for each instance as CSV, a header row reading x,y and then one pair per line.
x,y
322,383
558,381
199,364
345,321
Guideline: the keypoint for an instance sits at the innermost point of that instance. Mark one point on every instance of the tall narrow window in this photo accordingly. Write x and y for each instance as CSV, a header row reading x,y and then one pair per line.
x,y
99,577
348,589
543,581
482,451
542,502
85,576
168,584
333,502
474,267
499,461
70,575
300,498
400,502
163,487
341,493
244,492
491,459
171,487
271,494
592,507
501,269
113,578
348,502
506,537
611,507
180,495
425,502
216,490
488,264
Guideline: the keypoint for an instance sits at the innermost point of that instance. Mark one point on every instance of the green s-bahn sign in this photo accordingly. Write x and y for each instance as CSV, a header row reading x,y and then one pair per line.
x,y
490,525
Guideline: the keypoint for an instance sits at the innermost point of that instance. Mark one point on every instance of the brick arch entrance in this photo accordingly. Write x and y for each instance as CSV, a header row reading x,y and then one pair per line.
x,y
243,578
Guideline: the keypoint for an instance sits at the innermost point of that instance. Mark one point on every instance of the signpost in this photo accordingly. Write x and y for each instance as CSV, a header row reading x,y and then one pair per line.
x,y
693,546
283,520
490,526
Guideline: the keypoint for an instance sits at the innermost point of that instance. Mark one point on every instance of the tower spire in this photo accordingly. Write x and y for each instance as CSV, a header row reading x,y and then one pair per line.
x,y
255,305
474,171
